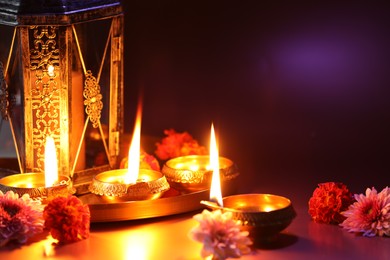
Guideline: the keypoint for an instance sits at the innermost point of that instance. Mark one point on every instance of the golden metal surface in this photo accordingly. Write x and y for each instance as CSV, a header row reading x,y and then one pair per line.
x,y
111,187
263,215
116,93
34,185
182,176
101,211
49,88
93,99
45,92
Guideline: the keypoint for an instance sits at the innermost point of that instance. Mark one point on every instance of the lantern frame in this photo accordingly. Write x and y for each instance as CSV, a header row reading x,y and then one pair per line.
x,y
45,49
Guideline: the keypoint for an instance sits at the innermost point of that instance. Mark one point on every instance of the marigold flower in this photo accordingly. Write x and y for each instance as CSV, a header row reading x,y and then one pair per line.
x,y
178,144
370,214
221,235
20,218
67,219
328,201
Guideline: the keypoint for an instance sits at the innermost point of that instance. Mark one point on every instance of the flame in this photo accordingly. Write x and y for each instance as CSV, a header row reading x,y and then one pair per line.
x,y
215,190
48,246
51,165
50,70
134,151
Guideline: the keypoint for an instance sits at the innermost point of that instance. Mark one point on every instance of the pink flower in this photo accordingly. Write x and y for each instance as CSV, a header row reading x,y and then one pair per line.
x,y
20,218
221,235
67,219
370,214
178,144
328,201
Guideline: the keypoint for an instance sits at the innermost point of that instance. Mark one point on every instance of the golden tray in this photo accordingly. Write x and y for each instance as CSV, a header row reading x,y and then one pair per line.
x,y
101,211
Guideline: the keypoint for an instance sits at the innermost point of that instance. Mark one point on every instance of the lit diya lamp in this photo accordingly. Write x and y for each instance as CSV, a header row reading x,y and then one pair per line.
x,y
193,173
132,183
263,215
42,186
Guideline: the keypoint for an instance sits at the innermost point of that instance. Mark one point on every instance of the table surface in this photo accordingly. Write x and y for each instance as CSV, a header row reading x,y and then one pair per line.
x,y
167,238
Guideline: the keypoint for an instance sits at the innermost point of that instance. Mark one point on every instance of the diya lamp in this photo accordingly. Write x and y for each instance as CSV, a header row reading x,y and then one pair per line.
x,y
193,173
263,215
132,183
42,186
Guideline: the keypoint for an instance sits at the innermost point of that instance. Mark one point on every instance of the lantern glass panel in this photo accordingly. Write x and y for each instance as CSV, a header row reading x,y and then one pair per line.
x,y
11,95
92,58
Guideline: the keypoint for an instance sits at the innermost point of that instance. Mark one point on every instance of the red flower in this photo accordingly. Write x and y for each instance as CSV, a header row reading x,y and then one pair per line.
x,y
67,219
178,144
328,201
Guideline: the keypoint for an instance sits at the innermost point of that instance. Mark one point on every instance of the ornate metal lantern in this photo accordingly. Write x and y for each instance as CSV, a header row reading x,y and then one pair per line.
x,y
61,75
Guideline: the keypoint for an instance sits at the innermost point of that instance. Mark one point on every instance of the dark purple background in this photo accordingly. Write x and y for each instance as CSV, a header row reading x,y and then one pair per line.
x,y
298,92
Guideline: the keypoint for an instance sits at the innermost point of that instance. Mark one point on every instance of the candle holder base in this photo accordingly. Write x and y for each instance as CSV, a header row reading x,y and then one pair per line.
x,y
33,184
263,215
111,187
181,177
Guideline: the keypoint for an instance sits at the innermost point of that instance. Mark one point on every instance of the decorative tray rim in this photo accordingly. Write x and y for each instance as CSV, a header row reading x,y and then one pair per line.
x,y
142,209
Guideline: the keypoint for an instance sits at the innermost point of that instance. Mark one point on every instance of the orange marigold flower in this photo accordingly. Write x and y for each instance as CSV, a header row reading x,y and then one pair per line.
x,y
178,144
328,201
67,219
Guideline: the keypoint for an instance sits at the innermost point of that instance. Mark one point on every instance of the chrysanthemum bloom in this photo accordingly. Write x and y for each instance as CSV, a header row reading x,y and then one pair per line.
x,y
20,218
178,144
328,201
67,218
221,235
370,214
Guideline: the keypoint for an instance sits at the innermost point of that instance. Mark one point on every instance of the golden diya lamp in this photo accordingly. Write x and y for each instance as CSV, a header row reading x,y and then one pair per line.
x,y
132,183
43,186
263,215
193,173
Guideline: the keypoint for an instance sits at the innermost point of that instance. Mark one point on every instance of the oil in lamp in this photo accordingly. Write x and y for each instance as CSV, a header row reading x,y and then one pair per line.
x,y
61,75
